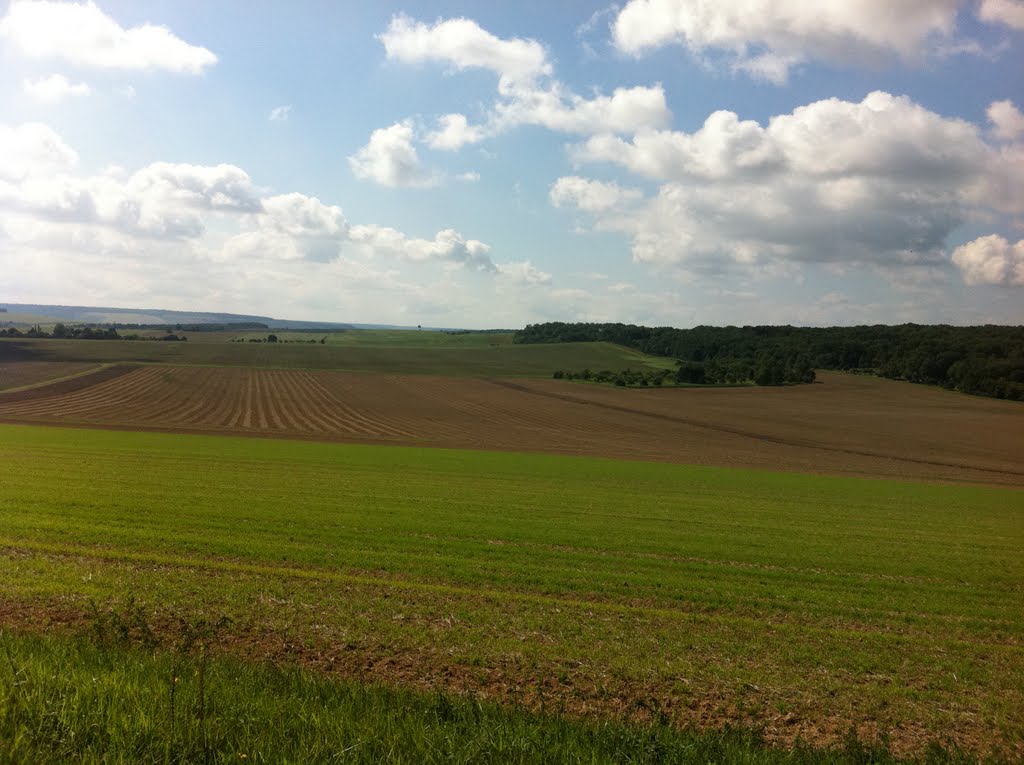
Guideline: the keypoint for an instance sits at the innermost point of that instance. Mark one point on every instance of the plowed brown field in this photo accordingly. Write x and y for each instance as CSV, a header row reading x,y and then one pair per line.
x,y
843,424
16,374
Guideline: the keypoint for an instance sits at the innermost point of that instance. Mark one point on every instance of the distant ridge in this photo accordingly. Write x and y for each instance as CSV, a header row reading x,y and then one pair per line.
x,y
109,315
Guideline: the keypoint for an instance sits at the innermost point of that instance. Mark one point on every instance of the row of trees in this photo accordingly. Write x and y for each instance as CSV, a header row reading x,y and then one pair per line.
x,y
985,360
62,331
631,377
768,370
275,339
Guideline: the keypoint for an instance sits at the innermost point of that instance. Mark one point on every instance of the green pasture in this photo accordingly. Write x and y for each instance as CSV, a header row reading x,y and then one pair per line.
x,y
470,359
600,586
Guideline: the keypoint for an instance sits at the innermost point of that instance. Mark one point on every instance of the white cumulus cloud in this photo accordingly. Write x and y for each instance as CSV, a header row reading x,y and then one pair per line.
x,y
555,107
144,235
589,195
463,44
280,113
447,245
453,132
56,87
82,34
524,273
1008,12
991,260
32,148
292,227
527,92
161,200
1007,120
882,181
390,159
767,37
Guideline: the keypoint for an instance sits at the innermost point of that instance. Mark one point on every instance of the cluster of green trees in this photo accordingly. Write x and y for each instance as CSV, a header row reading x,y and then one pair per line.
x,y
64,332
641,377
985,360
276,339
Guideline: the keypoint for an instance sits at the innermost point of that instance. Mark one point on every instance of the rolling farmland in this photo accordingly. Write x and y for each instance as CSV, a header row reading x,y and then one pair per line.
x,y
682,558
453,358
605,589
845,424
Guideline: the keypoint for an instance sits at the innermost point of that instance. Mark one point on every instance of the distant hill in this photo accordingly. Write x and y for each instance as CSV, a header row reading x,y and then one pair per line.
x,y
107,315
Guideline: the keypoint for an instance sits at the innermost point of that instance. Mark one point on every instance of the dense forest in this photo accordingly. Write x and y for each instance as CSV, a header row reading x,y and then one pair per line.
x,y
986,360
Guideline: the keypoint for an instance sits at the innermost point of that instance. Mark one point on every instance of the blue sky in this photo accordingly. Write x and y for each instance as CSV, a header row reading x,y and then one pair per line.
x,y
488,164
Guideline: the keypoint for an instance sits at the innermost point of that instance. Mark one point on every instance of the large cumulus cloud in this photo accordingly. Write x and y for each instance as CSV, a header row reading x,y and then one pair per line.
x,y
767,38
882,181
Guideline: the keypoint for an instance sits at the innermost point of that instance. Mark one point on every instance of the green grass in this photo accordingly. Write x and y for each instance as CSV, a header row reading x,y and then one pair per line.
x,y
470,360
99,701
718,595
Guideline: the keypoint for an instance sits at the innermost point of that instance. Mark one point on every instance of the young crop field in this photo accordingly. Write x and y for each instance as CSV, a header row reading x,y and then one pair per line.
x,y
394,338
470,359
525,598
388,338
845,424
594,589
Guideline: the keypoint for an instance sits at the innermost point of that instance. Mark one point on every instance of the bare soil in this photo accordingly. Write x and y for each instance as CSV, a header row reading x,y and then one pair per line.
x,y
843,424
19,374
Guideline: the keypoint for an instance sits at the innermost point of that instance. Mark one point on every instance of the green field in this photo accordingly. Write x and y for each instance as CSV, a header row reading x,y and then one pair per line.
x,y
606,590
455,358
391,338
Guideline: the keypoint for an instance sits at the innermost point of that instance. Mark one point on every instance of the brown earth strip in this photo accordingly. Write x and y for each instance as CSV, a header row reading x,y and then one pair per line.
x,y
66,385
15,375
844,425
771,439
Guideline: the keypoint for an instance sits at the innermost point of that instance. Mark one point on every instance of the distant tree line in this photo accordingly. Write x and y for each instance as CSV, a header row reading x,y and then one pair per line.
x,y
169,337
275,339
985,360
630,377
64,332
